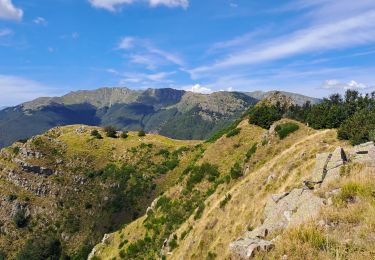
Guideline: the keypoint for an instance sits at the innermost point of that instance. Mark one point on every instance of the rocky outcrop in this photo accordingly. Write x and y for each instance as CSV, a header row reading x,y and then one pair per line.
x,y
289,209
246,248
33,168
364,153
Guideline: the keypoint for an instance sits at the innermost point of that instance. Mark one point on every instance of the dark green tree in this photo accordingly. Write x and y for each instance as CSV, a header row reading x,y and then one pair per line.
x,y
110,131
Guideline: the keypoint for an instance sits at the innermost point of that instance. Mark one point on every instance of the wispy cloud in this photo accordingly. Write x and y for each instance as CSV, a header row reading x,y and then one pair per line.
x,y
338,85
9,12
40,21
5,32
15,90
142,51
142,78
126,43
115,5
351,32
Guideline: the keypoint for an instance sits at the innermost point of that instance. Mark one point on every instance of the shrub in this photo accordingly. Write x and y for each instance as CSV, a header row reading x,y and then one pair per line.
x,y
223,131
95,133
141,133
199,212
264,116
173,243
11,197
372,135
286,129
224,202
110,131
164,152
20,219
234,132
45,247
236,171
124,134
251,151
2,255
358,127
171,164
198,173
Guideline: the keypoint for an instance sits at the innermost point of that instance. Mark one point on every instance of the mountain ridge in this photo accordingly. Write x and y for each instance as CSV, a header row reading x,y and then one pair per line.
x,y
174,113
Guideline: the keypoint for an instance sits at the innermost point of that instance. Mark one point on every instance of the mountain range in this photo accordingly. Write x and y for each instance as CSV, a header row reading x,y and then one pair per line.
x,y
173,113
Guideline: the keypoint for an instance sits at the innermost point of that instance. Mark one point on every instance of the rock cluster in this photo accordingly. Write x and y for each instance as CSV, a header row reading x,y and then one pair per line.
x,y
33,168
293,208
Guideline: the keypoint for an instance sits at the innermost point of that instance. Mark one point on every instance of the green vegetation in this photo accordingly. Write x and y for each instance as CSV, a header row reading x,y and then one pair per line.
x,y
124,134
95,133
251,151
224,202
358,128
20,219
46,247
233,132
286,129
264,116
110,131
223,131
236,171
170,213
141,133
353,115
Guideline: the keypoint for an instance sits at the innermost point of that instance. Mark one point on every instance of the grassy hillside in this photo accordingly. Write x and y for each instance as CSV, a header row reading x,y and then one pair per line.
x,y
70,187
202,215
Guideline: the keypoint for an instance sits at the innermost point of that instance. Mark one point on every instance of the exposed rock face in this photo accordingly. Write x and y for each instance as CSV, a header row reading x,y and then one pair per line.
x,y
293,208
328,166
289,209
246,248
34,168
364,153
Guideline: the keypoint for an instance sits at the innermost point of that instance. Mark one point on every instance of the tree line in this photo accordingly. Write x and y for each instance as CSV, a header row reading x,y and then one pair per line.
x,y
353,114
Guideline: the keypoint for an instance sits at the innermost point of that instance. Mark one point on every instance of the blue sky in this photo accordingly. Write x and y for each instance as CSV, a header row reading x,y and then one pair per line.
x,y
312,47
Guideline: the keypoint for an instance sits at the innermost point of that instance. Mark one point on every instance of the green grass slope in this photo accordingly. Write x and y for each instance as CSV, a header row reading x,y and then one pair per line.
x,y
64,189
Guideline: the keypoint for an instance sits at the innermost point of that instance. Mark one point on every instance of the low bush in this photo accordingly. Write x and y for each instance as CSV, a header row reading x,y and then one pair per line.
x,y
264,116
236,171
141,133
45,247
95,133
233,132
20,219
124,135
286,129
110,131
199,212
251,151
224,202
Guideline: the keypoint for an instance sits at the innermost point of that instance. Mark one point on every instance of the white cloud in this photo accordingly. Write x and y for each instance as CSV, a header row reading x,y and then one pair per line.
x,y
166,55
144,52
5,32
331,26
197,88
150,61
9,12
40,21
16,90
336,84
126,43
114,5
170,3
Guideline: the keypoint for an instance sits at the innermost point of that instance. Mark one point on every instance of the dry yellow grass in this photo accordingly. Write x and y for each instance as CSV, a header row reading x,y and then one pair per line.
x,y
289,161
